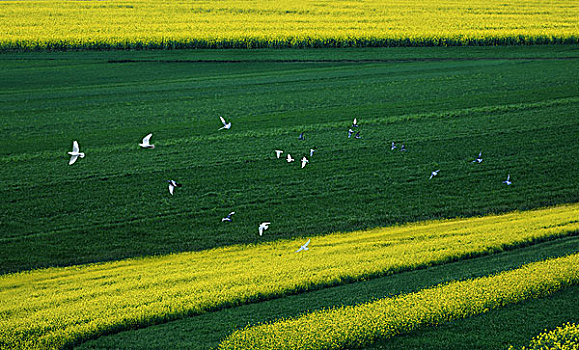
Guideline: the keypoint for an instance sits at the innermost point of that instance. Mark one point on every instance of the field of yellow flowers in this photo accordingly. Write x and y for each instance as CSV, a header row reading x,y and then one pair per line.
x,y
59,307
60,24
356,326
565,337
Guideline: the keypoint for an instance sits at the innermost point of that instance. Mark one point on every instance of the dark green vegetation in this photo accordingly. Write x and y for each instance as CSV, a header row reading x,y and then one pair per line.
x,y
518,105
528,319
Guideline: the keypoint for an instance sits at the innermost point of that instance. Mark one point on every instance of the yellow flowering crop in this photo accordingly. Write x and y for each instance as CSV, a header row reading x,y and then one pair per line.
x,y
565,337
57,307
49,24
356,326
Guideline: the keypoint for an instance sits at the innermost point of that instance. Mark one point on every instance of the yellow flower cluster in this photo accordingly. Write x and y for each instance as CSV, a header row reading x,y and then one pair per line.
x,y
59,24
59,307
357,326
565,337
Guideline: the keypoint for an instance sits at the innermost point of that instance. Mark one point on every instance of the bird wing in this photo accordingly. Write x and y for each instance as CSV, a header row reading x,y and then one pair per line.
x,y
171,188
72,160
308,242
146,139
222,120
299,250
232,213
75,148
355,121
260,230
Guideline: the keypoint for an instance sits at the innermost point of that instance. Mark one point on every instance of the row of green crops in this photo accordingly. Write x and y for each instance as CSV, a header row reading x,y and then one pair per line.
x,y
58,307
136,24
356,326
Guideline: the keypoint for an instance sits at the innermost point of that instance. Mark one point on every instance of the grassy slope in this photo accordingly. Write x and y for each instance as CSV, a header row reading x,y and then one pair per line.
x,y
114,203
205,331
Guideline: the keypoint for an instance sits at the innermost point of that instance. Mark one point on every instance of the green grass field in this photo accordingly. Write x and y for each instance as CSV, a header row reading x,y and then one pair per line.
x,y
518,105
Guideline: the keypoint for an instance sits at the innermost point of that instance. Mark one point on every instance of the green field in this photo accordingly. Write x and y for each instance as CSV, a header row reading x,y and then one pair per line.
x,y
518,105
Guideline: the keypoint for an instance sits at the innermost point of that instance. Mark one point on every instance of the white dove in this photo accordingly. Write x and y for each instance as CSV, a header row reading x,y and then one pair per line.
x,y
312,150
146,142
228,217
478,159
262,227
172,185
304,247
304,162
393,147
278,153
289,158
508,180
75,153
226,125
433,174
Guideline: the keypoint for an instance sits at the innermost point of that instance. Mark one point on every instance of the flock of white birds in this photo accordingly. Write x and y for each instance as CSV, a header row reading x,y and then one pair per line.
x,y
146,143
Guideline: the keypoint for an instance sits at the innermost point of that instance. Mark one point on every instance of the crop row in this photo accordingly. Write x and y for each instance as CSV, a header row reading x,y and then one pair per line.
x,y
59,307
565,337
357,326
54,24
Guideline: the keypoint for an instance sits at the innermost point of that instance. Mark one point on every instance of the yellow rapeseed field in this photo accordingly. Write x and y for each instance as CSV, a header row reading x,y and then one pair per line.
x,y
356,326
57,24
57,307
565,337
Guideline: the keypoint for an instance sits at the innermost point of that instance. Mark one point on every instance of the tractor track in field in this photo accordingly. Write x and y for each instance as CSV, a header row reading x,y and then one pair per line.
x,y
384,60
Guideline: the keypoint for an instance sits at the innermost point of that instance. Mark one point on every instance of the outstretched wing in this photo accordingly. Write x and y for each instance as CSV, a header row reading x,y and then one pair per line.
x,y
72,160
146,139
171,188
308,242
223,120
75,148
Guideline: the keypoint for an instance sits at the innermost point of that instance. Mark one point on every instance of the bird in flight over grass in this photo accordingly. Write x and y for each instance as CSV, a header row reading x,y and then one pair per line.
x,y
226,125
357,136
402,148
172,185
228,217
508,180
304,247
433,174
302,137
262,227
75,153
146,142
393,147
289,158
350,132
312,150
304,162
479,158
355,123
278,153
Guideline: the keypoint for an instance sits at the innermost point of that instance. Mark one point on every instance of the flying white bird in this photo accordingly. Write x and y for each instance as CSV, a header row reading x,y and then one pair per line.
x,y
75,153
433,174
172,185
478,159
304,162
278,153
350,132
304,247
289,158
146,142
262,227
228,217
393,147
508,180
226,125
312,150
355,123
